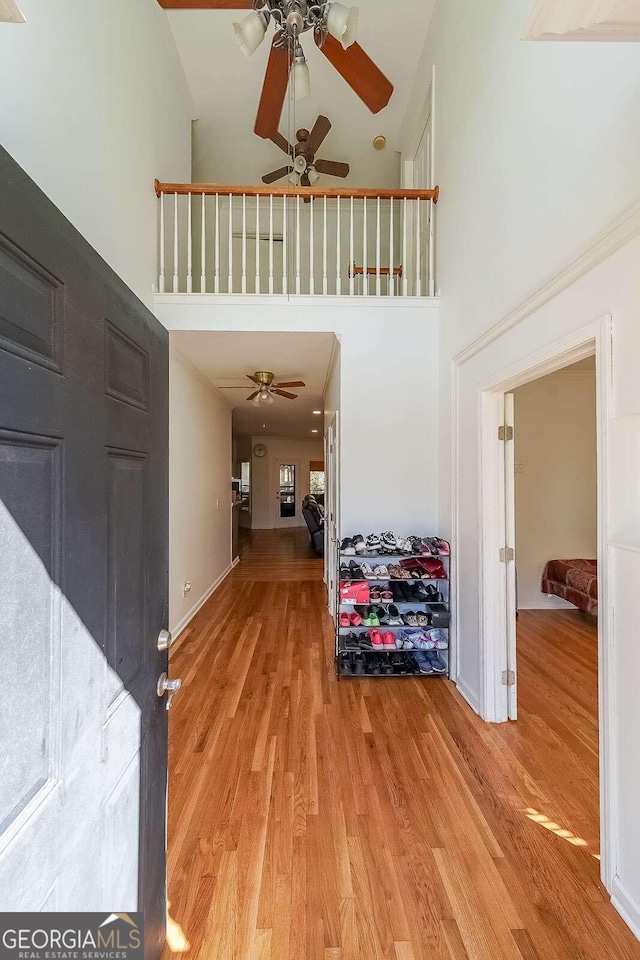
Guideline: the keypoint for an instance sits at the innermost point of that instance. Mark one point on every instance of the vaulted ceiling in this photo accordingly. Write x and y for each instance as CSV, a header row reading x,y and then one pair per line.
x,y
226,90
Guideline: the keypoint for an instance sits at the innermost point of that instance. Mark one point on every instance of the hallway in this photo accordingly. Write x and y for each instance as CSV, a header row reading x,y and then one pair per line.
x,y
311,819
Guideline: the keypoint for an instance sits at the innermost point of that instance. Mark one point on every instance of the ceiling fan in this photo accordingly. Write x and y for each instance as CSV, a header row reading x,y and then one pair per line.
x,y
267,388
304,170
334,29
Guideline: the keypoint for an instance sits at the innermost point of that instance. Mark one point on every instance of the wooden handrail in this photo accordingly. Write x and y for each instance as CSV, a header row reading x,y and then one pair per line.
x,y
331,193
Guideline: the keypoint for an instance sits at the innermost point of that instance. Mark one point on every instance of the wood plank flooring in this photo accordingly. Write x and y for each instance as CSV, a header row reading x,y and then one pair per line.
x,y
316,819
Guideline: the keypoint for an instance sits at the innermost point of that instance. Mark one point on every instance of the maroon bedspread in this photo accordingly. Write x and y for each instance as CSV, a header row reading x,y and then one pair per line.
x,y
573,580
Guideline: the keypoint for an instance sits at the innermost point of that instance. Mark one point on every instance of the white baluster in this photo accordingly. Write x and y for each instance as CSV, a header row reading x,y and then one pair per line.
x,y
230,242
392,260
176,249
365,274
418,250
244,243
378,276
216,276
325,287
271,243
405,265
284,245
203,249
189,248
297,245
312,279
352,276
338,254
161,278
257,287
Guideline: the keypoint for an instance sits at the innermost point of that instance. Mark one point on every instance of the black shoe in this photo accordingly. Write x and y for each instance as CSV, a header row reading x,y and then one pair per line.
x,y
398,664
387,666
345,666
345,572
351,642
355,571
373,666
347,547
364,642
412,666
359,663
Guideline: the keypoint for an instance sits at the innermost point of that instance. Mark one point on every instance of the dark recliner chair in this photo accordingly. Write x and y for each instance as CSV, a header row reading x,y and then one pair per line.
x,y
314,519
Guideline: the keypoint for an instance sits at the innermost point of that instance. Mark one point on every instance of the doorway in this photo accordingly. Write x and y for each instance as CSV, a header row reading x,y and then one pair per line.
x,y
499,559
287,486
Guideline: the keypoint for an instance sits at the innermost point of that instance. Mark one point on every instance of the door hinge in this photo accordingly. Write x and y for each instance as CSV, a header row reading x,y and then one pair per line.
x,y
508,678
507,554
505,433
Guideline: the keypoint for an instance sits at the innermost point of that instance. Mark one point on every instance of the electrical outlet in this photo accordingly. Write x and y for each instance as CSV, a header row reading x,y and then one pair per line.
x,y
186,588
520,468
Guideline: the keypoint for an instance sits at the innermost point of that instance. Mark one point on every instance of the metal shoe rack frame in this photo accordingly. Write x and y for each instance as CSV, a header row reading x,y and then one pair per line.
x,y
440,611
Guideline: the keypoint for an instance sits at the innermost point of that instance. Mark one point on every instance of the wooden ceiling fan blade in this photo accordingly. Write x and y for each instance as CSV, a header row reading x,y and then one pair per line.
x,y
283,393
317,136
277,175
281,142
253,395
274,91
292,383
206,4
359,71
332,167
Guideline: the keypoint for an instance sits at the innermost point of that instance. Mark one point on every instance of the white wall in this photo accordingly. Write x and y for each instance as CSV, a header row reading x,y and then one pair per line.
x,y
536,156
264,506
93,107
556,477
390,394
199,477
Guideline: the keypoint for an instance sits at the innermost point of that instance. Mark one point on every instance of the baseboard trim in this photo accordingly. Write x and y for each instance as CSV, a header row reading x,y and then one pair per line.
x,y
627,905
188,617
467,693
557,604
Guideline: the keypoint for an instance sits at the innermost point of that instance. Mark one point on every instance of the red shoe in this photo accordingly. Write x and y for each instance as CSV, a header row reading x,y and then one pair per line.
x,y
355,619
389,641
377,640
344,620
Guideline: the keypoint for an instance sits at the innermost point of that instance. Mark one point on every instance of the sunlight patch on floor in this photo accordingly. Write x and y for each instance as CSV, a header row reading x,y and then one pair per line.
x,y
553,827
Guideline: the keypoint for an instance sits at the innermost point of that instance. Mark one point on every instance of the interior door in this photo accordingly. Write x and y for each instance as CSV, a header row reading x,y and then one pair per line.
x,y
510,565
288,494
83,567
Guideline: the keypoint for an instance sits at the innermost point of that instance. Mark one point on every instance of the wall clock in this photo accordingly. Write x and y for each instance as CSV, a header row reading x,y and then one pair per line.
x,y
259,450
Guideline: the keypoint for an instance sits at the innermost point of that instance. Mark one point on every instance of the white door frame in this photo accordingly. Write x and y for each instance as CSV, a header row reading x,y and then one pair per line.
x,y
332,511
595,338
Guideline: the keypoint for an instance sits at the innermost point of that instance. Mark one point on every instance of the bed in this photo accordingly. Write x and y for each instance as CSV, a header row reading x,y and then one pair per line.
x,y
573,580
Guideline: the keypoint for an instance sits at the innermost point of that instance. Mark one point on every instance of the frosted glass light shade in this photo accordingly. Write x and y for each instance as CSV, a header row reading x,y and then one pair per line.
x,y
250,33
301,80
342,23
313,175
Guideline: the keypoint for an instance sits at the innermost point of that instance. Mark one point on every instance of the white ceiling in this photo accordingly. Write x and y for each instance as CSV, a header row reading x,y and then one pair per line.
x,y
226,89
225,359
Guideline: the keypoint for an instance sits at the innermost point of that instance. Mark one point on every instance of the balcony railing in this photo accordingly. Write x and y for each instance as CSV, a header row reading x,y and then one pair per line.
x,y
278,240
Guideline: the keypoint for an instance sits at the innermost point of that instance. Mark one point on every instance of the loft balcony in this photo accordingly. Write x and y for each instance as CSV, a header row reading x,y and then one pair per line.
x,y
223,240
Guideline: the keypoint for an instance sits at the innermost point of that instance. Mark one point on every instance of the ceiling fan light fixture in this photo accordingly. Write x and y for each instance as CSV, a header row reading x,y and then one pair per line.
x,y
250,32
294,179
301,79
313,176
342,23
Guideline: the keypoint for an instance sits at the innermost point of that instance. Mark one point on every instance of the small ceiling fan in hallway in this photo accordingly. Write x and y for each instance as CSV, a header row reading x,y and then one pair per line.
x,y
334,28
304,170
267,388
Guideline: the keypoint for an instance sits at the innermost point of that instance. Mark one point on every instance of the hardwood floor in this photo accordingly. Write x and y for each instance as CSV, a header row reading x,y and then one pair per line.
x,y
316,819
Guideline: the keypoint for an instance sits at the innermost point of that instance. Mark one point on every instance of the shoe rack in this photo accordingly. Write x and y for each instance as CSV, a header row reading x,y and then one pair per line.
x,y
361,662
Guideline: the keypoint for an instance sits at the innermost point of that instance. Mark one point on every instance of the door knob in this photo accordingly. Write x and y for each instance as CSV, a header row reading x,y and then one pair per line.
x,y
164,640
169,687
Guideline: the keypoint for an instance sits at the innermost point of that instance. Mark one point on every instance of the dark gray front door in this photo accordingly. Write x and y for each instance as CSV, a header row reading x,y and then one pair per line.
x,y
83,573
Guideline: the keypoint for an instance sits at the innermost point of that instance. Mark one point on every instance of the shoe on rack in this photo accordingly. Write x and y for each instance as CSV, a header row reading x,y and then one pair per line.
x,y
345,665
381,571
439,638
423,640
347,547
410,618
355,620
345,572
373,545
399,664
419,592
382,614
387,666
359,663
423,663
367,570
434,595
351,642
364,642
394,617
359,543
406,641
438,665
344,620
388,540
386,595
375,593
423,619
355,571
371,619
412,666
389,641
373,666
442,546
377,639
426,549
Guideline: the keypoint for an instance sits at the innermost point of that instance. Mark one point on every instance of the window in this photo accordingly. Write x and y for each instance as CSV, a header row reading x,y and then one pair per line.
x,y
316,478
245,479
